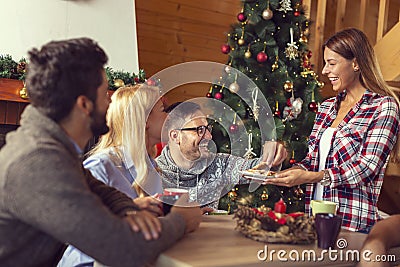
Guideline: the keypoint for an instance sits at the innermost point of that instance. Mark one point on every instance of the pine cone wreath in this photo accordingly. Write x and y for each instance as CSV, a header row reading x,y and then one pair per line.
x,y
271,227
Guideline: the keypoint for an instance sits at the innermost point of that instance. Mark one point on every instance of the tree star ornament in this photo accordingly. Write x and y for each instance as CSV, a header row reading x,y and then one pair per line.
x,y
291,50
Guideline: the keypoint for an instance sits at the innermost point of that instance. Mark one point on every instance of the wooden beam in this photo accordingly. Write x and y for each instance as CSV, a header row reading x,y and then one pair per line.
x,y
340,13
382,19
319,32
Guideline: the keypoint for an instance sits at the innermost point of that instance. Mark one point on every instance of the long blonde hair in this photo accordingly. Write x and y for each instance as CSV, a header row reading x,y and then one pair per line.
x,y
353,43
126,117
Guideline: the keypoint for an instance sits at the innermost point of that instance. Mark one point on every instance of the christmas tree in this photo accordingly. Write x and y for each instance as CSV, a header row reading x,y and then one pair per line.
x,y
269,45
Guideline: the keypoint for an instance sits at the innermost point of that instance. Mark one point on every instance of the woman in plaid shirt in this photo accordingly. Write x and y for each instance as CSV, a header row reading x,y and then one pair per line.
x,y
353,134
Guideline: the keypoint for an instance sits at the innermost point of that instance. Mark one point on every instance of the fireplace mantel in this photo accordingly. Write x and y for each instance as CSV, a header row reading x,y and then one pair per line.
x,y
11,104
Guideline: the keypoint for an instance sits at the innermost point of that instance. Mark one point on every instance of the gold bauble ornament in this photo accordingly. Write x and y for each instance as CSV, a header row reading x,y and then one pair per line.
x,y
306,31
275,66
23,93
247,54
264,196
267,14
241,41
288,86
232,195
320,84
118,83
303,39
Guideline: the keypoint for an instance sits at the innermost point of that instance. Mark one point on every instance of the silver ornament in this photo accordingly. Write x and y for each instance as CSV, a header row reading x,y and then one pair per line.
x,y
228,69
234,87
267,14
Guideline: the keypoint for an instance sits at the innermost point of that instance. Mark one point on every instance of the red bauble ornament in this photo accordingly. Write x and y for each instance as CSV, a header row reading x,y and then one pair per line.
x,y
137,79
233,128
280,206
209,95
277,113
296,13
313,106
218,95
225,48
241,17
292,161
262,57
151,82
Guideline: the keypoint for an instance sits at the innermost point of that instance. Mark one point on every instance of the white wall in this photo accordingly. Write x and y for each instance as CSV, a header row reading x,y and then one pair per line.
x,y
32,23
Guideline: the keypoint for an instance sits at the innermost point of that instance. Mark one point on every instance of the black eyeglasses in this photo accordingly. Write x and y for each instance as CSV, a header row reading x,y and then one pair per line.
x,y
201,130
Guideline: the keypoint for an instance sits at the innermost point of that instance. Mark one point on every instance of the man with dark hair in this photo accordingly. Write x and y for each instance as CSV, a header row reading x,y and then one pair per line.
x,y
187,162
47,198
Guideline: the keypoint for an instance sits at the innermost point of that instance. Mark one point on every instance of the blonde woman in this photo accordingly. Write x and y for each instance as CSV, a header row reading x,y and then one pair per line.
x,y
121,157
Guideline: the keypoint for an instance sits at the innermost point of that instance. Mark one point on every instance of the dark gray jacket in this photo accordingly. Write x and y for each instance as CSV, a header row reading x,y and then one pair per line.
x,y
47,199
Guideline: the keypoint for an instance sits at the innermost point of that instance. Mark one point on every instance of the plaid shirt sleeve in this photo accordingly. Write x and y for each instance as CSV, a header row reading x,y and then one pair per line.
x,y
383,126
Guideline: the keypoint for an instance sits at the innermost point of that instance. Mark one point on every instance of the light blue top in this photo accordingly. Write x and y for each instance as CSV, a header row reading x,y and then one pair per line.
x,y
108,167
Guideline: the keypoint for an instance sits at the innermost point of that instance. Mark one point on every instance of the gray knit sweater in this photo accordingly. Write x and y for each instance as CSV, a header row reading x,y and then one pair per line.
x,y
47,199
206,184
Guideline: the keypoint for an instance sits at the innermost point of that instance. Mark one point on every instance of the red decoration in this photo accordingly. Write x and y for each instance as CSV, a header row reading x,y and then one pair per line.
x,y
209,95
159,148
233,128
137,79
309,54
225,48
241,17
292,161
218,95
296,13
313,106
262,57
277,113
280,206
151,82
288,102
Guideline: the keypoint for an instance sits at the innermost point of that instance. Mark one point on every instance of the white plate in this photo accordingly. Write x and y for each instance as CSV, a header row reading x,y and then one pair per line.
x,y
256,176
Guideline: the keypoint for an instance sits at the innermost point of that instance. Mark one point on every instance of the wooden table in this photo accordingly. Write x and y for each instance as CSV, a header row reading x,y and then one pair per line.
x,y
216,243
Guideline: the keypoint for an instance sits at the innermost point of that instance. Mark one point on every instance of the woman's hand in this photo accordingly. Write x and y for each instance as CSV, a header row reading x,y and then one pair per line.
x,y
150,204
145,222
294,176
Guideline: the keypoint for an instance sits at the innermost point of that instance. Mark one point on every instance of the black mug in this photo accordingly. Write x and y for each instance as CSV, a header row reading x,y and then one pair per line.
x,y
328,228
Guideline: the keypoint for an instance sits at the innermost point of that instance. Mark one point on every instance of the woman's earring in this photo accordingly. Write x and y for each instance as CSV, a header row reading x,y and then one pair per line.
x,y
356,69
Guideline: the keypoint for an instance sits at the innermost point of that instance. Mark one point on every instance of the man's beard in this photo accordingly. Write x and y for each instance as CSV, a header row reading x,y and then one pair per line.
x,y
98,124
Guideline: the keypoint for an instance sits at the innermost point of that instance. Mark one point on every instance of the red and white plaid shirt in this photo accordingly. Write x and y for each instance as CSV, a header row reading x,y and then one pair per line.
x,y
358,156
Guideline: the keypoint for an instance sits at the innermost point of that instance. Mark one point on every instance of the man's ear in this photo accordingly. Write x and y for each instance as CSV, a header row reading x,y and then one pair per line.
x,y
174,136
84,104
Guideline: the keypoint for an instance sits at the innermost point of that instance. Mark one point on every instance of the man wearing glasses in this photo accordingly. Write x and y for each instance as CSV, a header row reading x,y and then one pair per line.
x,y
187,162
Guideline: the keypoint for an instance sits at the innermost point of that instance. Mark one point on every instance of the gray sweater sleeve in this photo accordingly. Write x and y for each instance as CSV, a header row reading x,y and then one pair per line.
x,y
51,195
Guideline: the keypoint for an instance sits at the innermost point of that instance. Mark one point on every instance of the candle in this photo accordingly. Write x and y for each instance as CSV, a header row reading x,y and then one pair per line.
x,y
280,206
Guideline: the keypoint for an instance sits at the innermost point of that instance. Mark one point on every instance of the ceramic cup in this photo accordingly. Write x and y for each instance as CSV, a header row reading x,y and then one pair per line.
x,y
322,206
170,196
174,191
327,226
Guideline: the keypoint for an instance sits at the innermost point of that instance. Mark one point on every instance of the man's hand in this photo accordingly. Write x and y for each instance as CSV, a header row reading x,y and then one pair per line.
x,y
144,222
190,211
274,153
150,204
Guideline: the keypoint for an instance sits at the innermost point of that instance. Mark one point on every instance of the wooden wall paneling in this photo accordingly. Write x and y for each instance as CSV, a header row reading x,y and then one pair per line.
x,y
363,11
340,14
